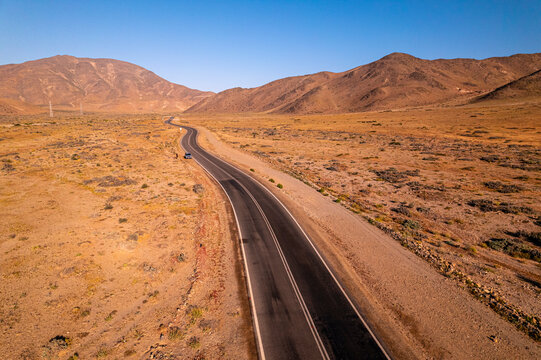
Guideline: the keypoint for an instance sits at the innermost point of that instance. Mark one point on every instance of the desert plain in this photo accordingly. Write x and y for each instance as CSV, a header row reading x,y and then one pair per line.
x,y
112,246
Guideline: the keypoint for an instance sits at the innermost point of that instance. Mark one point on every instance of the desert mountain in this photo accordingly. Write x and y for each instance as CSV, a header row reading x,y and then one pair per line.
x,y
14,107
100,84
396,80
527,86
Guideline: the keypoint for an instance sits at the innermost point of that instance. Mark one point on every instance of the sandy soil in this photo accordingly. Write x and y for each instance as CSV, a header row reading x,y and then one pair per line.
x,y
112,247
443,160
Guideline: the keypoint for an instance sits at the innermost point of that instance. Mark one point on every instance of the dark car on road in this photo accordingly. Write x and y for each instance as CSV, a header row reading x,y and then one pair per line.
x,y
187,156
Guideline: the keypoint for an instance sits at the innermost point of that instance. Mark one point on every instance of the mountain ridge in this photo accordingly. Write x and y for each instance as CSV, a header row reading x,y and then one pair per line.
x,y
100,84
396,80
524,87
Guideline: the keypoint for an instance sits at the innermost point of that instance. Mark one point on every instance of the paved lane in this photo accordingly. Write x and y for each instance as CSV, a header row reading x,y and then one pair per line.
x,y
300,310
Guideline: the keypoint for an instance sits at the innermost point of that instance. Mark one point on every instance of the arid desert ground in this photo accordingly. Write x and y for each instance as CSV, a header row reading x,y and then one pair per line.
x,y
457,186
112,247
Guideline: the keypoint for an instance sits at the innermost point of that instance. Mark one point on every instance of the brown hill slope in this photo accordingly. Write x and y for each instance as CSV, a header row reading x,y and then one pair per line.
x,y
396,80
101,84
525,87
16,107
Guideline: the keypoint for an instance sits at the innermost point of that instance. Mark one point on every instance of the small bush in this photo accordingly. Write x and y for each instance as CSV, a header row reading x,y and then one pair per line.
x,y
392,175
61,341
122,220
144,186
452,243
138,334
198,189
108,206
194,342
490,158
411,224
110,316
175,333
102,353
252,170
280,186
532,237
195,313
507,208
271,180
514,248
404,210
110,181
503,188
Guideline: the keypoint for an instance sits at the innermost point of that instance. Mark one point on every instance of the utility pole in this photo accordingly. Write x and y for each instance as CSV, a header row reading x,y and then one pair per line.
x,y
50,109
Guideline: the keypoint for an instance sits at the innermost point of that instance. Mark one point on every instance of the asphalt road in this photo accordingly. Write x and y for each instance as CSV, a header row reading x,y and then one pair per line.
x,y
299,309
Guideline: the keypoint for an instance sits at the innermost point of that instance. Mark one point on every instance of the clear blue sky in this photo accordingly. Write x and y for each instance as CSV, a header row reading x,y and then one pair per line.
x,y
215,45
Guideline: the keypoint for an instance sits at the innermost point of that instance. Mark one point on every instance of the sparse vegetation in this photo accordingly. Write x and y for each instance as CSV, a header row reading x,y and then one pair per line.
x,y
411,224
111,315
175,333
503,188
514,248
195,314
441,187
122,254
194,342
392,175
110,181
103,352
507,208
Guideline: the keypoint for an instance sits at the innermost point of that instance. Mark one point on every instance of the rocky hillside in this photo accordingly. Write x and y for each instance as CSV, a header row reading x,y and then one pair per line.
x,y
100,84
525,87
397,80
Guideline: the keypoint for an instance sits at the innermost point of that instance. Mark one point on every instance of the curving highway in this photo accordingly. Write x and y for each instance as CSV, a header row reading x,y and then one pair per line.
x,y
299,309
